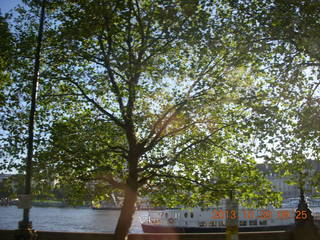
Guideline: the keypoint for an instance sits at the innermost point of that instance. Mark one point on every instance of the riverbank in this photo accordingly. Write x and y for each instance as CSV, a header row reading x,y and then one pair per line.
x,y
46,203
44,235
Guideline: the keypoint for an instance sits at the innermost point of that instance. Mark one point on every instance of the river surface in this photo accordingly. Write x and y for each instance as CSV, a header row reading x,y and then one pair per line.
x,y
73,219
68,219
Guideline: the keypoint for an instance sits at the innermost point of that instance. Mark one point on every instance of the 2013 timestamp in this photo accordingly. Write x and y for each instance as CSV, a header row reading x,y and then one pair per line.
x,y
257,214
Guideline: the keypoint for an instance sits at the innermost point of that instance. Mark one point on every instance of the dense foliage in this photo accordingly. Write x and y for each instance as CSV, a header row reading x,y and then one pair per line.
x,y
174,100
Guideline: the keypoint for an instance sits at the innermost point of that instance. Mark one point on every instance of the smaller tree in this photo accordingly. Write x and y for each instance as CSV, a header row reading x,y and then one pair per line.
x,y
6,55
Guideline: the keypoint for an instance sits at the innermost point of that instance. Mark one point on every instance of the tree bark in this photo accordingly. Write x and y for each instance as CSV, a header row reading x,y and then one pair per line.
x,y
126,214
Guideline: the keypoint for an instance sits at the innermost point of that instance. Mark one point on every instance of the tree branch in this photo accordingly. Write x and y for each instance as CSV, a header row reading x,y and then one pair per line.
x,y
60,95
114,183
106,57
100,108
177,155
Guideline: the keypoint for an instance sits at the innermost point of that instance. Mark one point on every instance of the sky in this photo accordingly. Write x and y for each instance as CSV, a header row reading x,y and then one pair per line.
x,y
6,5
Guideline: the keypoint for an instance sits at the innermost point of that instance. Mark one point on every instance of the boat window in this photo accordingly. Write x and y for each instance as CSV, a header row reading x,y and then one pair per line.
x,y
263,222
185,215
253,222
166,215
242,223
191,215
202,224
220,223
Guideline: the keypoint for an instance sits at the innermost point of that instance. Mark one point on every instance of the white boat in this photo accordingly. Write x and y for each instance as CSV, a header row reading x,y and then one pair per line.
x,y
292,202
211,219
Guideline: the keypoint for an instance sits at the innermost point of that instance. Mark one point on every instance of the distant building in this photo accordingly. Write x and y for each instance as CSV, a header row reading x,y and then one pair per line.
x,y
289,191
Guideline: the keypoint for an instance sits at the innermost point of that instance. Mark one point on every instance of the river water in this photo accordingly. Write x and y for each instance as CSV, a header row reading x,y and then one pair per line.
x,y
74,219
68,219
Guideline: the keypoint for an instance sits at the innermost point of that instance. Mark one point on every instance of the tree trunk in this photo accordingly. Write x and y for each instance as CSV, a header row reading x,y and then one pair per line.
x,y
126,215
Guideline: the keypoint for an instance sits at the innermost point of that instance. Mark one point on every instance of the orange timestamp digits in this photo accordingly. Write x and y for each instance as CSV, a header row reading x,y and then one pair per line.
x,y
265,214
301,215
248,214
284,214
218,214
259,214
222,214
232,214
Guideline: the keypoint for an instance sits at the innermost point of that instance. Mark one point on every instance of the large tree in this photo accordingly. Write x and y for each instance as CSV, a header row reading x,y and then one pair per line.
x,y
80,151
154,81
